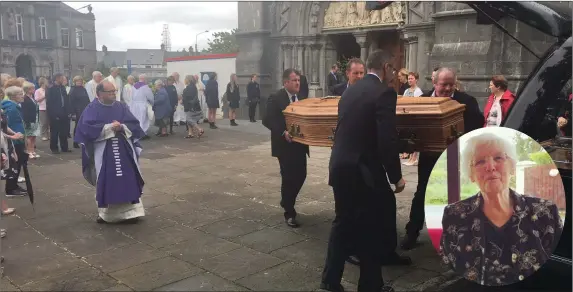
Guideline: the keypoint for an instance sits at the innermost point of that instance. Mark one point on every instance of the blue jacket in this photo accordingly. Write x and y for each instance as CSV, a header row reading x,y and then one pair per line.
x,y
161,105
13,114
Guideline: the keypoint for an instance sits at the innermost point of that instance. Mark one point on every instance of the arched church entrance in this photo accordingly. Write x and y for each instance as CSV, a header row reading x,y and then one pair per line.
x,y
24,67
345,46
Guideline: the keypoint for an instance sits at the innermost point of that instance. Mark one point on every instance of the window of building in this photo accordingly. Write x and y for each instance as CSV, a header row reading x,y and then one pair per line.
x,y
148,66
79,38
82,70
19,27
43,29
1,28
65,38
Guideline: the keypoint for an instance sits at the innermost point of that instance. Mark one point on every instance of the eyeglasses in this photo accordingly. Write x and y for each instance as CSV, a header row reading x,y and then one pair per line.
x,y
481,163
108,91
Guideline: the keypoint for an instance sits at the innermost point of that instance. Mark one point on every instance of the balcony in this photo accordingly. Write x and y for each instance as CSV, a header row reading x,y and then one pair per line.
x,y
44,44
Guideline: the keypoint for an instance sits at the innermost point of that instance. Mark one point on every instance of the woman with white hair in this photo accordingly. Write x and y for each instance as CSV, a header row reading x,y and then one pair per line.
x,y
497,237
162,108
11,108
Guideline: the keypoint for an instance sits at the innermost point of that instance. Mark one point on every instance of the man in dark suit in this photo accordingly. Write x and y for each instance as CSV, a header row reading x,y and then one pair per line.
x,y
304,90
332,79
365,152
291,155
354,71
444,82
59,113
253,97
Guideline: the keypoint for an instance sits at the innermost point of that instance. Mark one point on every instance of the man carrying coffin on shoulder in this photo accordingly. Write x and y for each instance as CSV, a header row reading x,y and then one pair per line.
x,y
363,164
444,82
291,155
109,135
354,72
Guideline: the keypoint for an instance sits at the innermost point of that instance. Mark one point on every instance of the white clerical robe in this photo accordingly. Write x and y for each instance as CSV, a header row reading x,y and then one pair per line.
x,y
127,93
202,100
142,98
117,83
91,89
180,110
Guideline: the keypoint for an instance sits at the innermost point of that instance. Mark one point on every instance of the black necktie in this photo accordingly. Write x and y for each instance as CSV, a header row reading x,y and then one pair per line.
x,y
293,98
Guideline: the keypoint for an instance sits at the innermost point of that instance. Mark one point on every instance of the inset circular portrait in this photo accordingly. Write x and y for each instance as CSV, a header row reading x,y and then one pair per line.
x,y
495,206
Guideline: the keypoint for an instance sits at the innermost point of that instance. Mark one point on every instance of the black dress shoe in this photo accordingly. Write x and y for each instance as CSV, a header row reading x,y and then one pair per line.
x,y
409,241
19,192
395,259
67,151
387,289
76,145
99,220
353,260
331,287
291,222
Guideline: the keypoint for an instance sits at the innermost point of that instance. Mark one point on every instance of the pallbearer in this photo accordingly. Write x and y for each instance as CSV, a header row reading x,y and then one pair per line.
x,y
109,136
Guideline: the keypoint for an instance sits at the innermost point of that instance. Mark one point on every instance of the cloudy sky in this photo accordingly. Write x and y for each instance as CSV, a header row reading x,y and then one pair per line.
x,y
138,25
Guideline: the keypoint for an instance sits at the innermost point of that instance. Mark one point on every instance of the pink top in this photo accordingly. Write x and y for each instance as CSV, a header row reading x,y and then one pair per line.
x,y
40,97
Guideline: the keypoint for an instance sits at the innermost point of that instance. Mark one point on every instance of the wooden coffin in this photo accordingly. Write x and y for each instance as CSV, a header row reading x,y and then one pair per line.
x,y
423,123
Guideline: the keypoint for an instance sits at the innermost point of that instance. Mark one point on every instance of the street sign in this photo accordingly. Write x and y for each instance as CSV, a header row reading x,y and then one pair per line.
x,y
128,67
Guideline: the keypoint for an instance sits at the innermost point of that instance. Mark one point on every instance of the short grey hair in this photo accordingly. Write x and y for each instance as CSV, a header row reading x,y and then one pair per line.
x,y
13,91
142,76
158,82
27,86
442,70
96,73
377,59
131,77
113,69
484,140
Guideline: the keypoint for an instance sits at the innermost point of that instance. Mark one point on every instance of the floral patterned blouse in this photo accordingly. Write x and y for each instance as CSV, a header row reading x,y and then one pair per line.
x,y
495,256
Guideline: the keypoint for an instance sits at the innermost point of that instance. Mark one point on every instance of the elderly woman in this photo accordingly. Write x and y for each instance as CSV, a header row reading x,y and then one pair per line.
x,y
497,237
40,97
212,98
30,114
12,109
192,107
162,108
79,100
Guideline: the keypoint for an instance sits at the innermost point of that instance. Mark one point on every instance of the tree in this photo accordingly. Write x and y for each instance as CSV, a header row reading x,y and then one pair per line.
x,y
224,42
191,51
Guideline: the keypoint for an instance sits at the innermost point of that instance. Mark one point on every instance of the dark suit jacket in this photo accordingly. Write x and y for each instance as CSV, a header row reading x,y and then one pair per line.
x,y
303,91
54,107
173,97
331,81
339,89
366,138
253,92
473,117
275,121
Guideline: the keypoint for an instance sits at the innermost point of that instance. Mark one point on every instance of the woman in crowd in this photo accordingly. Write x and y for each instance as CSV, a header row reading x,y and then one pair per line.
x,y
212,98
12,109
162,108
202,101
499,102
192,107
40,97
498,236
412,91
127,94
173,101
79,100
30,115
403,79
234,98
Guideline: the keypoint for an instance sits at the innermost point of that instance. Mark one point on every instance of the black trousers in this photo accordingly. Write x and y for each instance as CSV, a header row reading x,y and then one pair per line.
x,y
360,227
12,184
252,110
426,162
59,129
293,175
171,121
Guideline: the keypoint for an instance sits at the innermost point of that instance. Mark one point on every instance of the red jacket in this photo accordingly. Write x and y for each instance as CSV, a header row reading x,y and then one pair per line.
x,y
506,101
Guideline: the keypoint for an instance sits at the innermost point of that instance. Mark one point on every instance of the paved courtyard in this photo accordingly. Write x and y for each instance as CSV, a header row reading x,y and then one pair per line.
x,y
212,224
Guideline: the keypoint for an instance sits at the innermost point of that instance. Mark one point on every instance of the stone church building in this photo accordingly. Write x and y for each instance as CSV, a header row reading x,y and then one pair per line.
x,y
43,38
312,36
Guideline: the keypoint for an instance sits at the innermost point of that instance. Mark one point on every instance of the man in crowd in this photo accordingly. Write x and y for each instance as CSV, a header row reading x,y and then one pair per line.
x,y
92,84
142,99
253,97
304,89
365,152
354,72
333,79
115,79
109,136
173,100
291,155
444,86
59,113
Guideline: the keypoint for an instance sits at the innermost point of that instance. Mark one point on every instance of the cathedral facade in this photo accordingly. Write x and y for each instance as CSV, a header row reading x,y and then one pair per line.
x,y
312,36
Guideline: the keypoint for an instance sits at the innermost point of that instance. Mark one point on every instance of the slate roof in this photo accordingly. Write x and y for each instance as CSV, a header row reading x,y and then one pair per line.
x,y
112,58
145,56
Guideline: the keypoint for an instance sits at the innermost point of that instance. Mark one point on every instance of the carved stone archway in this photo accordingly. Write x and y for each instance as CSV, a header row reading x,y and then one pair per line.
x,y
25,66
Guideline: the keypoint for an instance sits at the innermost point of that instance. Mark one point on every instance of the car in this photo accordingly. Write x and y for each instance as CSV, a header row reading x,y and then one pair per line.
x,y
540,100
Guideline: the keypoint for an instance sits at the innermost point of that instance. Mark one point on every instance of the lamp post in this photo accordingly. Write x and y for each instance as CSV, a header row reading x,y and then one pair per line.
x,y
196,51
70,41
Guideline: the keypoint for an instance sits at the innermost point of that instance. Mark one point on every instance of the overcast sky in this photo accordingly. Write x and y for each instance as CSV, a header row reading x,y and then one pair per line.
x,y
138,25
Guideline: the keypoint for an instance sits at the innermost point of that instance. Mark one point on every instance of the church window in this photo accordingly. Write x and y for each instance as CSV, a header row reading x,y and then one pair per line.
x,y
1,28
43,29
82,69
19,27
79,38
65,38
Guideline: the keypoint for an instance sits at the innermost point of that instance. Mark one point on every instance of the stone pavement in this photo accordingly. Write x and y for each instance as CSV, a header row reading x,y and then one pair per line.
x,y
213,224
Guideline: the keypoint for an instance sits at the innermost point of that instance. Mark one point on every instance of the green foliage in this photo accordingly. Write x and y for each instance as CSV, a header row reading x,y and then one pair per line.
x,y
540,157
224,42
524,146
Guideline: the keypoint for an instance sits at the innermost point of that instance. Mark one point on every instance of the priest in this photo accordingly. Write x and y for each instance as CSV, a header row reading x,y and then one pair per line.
x,y
109,136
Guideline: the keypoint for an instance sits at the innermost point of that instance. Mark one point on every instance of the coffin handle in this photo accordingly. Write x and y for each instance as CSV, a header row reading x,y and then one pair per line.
x,y
331,138
454,134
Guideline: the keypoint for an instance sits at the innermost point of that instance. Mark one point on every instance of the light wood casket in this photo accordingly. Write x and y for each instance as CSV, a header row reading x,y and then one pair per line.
x,y
423,123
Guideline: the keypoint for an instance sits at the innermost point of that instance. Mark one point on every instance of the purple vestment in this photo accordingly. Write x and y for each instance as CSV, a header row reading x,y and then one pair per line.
x,y
110,160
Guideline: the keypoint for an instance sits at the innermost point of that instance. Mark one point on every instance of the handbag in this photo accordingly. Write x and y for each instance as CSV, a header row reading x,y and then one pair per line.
x,y
150,113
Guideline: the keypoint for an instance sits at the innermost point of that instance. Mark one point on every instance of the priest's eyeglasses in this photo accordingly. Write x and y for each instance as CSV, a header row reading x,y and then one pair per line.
x,y
108,91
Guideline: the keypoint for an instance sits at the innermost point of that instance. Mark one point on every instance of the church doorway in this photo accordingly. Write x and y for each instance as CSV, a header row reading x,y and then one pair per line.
x,y
24,67
389,40
346,48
